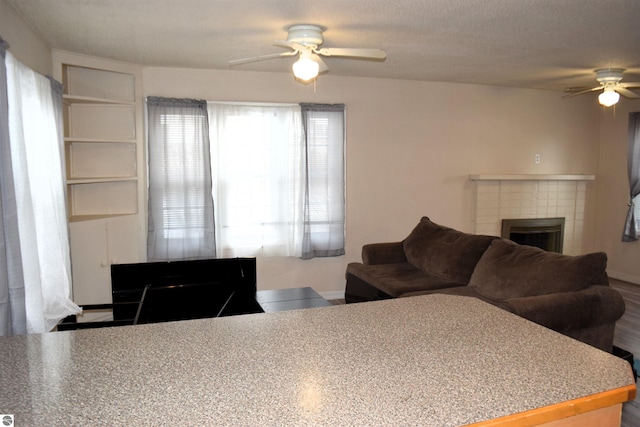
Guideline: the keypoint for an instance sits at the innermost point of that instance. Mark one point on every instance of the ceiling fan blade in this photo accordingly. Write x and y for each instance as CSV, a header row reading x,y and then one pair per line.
x,y
626,93
580,92
630,84
260,58
321,63
353,53
292,45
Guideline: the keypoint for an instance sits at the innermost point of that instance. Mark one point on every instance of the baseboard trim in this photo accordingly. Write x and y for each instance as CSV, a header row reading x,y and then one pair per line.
x,y
332,295
624,277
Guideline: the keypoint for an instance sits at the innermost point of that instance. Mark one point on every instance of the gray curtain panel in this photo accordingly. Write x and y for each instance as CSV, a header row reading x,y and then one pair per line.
x,y
57,90
13,317
324,209
181,220
633,163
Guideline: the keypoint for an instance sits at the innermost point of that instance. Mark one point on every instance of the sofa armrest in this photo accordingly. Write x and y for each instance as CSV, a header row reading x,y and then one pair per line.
x,y
564,311
383,253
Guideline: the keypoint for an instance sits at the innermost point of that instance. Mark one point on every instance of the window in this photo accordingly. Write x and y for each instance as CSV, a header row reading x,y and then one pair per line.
x,y
180,201
257,171
184,185
632,223
276,174
278,178
325,217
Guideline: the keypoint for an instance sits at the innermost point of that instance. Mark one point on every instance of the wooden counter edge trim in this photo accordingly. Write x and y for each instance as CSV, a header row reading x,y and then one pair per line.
x,y
562,410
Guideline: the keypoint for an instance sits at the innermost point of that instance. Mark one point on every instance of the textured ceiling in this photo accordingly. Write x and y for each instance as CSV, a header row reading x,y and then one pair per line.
x,y
543,44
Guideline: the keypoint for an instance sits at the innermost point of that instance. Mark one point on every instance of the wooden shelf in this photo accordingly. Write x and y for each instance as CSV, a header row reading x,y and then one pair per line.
x,y
95,85
106,121
75,99
100,180
102,197
100,160
98,140
81,218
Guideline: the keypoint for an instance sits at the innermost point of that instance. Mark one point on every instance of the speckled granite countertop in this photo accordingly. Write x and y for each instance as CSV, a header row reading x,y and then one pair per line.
x,y
432,361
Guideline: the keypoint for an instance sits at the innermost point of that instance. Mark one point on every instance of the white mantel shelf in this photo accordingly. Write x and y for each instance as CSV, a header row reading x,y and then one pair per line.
x,y
532,177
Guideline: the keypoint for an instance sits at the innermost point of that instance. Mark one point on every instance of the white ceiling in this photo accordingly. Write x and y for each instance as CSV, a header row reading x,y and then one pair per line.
x,y
542,44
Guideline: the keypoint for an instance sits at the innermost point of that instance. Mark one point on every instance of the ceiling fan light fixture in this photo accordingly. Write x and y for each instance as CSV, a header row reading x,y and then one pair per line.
x,y
306,35
609,97
304,40
305,69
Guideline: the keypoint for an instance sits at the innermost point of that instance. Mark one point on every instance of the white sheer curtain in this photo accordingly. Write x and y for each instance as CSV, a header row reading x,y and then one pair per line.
x,y
37,173
257,154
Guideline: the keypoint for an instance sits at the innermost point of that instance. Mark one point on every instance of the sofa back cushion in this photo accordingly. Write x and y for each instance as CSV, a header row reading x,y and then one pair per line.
x,y
508,270
444,251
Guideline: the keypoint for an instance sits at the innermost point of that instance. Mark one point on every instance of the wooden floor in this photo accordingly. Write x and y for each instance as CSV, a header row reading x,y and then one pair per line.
x,y
628,337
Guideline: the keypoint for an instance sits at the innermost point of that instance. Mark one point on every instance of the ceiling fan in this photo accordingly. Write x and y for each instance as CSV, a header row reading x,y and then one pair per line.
x,y
610,83
304,41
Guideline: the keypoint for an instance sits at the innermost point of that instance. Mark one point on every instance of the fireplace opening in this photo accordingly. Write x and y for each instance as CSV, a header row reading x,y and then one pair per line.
x,y
544,233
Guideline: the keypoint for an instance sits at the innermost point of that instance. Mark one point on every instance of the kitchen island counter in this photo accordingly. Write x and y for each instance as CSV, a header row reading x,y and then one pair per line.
x,y
432,360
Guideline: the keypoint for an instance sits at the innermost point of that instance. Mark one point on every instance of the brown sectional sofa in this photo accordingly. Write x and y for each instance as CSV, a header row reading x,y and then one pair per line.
x,y
569,294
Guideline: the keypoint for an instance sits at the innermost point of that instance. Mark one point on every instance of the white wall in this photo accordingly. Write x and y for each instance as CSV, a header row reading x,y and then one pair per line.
x,y
24,43
410,148
613,193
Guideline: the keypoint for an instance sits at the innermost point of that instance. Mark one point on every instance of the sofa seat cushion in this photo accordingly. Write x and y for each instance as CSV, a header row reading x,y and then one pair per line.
x,y
443,251
507,270
566,311
400,278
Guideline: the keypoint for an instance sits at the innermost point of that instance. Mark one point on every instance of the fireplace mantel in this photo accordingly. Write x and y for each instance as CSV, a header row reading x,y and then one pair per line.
x,y
531,177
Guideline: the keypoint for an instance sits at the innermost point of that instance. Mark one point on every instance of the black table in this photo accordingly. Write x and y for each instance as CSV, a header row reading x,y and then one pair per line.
x,y
183,298
290,299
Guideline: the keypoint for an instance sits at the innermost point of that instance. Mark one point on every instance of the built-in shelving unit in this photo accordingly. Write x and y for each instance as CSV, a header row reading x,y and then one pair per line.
x,y
105,169
100,142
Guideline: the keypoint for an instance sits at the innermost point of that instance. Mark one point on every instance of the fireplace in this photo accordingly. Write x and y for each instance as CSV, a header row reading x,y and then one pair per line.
x,y
498,197
544,233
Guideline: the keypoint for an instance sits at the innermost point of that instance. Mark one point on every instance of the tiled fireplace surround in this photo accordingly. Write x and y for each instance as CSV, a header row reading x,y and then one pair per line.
x,y
498,197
